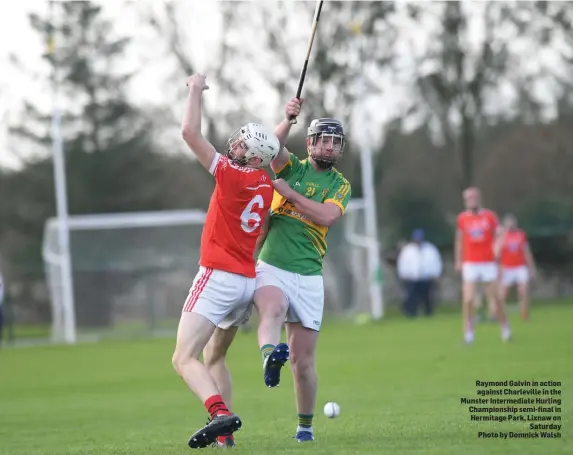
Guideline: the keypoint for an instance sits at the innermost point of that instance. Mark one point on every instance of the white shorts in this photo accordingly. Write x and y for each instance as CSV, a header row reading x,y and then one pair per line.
x,y
304,293
223,298
479,272
514,275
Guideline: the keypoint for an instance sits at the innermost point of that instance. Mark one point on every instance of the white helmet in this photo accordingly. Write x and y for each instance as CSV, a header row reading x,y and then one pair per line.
x,y
257,141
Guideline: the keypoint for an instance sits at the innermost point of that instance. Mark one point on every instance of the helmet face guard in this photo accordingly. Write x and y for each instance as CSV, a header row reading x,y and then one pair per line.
x,y
325,142
252,141
236,146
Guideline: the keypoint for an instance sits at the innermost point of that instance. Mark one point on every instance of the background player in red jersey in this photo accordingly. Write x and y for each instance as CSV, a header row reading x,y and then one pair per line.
x,y
475,259
219,299
517,264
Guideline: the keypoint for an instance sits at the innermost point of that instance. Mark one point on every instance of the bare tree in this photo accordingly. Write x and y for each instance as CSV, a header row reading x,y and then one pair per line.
x,y
554,29
454,91
281,31
168,24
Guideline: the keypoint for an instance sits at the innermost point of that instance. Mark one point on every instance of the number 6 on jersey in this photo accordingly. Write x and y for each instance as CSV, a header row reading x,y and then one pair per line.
x,y
242,197
248,215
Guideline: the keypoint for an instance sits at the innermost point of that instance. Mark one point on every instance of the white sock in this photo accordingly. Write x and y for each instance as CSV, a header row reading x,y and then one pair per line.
x,y
299,428
505,333
469,337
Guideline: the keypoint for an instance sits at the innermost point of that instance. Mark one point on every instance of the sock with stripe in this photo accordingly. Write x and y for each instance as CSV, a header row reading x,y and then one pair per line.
x,y
221,439
266,350
304,422
216,406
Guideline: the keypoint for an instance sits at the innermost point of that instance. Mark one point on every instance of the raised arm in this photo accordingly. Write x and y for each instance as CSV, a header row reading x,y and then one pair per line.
x,y
282,131
191,124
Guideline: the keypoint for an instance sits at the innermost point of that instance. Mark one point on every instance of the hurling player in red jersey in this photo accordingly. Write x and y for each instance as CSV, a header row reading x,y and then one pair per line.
x,y
475,259
517,264
219,299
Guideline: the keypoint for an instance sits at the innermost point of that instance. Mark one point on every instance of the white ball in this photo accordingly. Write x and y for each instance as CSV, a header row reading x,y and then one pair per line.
x,y
331,410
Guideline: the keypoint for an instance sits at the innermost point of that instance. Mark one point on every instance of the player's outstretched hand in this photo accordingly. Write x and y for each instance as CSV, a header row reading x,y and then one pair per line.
x,y
283,188
197,81
292,109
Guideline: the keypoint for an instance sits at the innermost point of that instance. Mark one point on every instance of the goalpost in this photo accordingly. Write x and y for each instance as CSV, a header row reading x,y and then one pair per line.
x,y
100,268
130,272
112,252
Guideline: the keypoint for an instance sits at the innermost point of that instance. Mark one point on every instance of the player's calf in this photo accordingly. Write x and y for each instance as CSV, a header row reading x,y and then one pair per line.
x,y
468,320
192,336
272,307
523,294
215,359
302,341
493,296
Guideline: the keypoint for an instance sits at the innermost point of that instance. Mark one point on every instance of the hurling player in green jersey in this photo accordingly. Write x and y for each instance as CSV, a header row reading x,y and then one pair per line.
x,y
310,196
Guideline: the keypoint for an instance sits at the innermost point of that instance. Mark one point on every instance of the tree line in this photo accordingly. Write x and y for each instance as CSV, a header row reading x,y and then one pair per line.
x,y
473,114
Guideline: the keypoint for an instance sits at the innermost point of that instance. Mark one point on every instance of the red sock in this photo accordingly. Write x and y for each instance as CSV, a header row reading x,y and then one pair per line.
x,y
221,439
216,406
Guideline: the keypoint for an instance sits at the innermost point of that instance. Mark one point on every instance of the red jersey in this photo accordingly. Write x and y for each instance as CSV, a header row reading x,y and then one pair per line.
x,y
238,206
478,235
513,248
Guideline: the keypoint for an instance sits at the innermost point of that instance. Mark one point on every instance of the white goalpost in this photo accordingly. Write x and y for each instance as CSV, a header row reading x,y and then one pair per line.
x,y
365,257
130,272
88,236
124,268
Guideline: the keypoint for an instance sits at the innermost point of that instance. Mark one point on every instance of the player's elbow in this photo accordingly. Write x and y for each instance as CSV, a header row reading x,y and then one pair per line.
x,y
332,214
330,219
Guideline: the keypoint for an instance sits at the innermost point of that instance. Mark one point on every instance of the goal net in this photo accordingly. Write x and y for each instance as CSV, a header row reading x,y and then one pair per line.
x,y
130,273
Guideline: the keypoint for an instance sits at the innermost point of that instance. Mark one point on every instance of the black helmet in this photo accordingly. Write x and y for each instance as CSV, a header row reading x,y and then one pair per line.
x,y
325,128
325,125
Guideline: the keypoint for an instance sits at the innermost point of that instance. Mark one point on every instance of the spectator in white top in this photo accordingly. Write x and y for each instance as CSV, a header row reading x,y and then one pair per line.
x,y
419,265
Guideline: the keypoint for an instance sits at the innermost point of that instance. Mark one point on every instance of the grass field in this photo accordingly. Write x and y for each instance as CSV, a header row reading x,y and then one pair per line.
x,y
399,384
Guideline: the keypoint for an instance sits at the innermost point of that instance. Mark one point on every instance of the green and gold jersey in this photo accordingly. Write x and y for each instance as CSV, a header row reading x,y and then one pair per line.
x,y
294,243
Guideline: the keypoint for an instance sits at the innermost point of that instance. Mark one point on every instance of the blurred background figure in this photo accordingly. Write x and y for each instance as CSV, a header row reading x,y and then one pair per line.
x,y
391,256
474,250
517,263
419,265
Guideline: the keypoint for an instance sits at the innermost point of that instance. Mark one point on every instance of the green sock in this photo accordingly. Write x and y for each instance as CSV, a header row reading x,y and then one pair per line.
x,y
266,349
305,420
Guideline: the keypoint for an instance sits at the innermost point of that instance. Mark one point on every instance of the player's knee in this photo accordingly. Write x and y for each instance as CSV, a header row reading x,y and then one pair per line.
x,y
272,309
302,365
177,362
181,357
270,303
522,290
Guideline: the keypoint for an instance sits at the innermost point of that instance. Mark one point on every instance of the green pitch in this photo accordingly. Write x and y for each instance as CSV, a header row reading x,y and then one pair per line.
x,y
399,384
